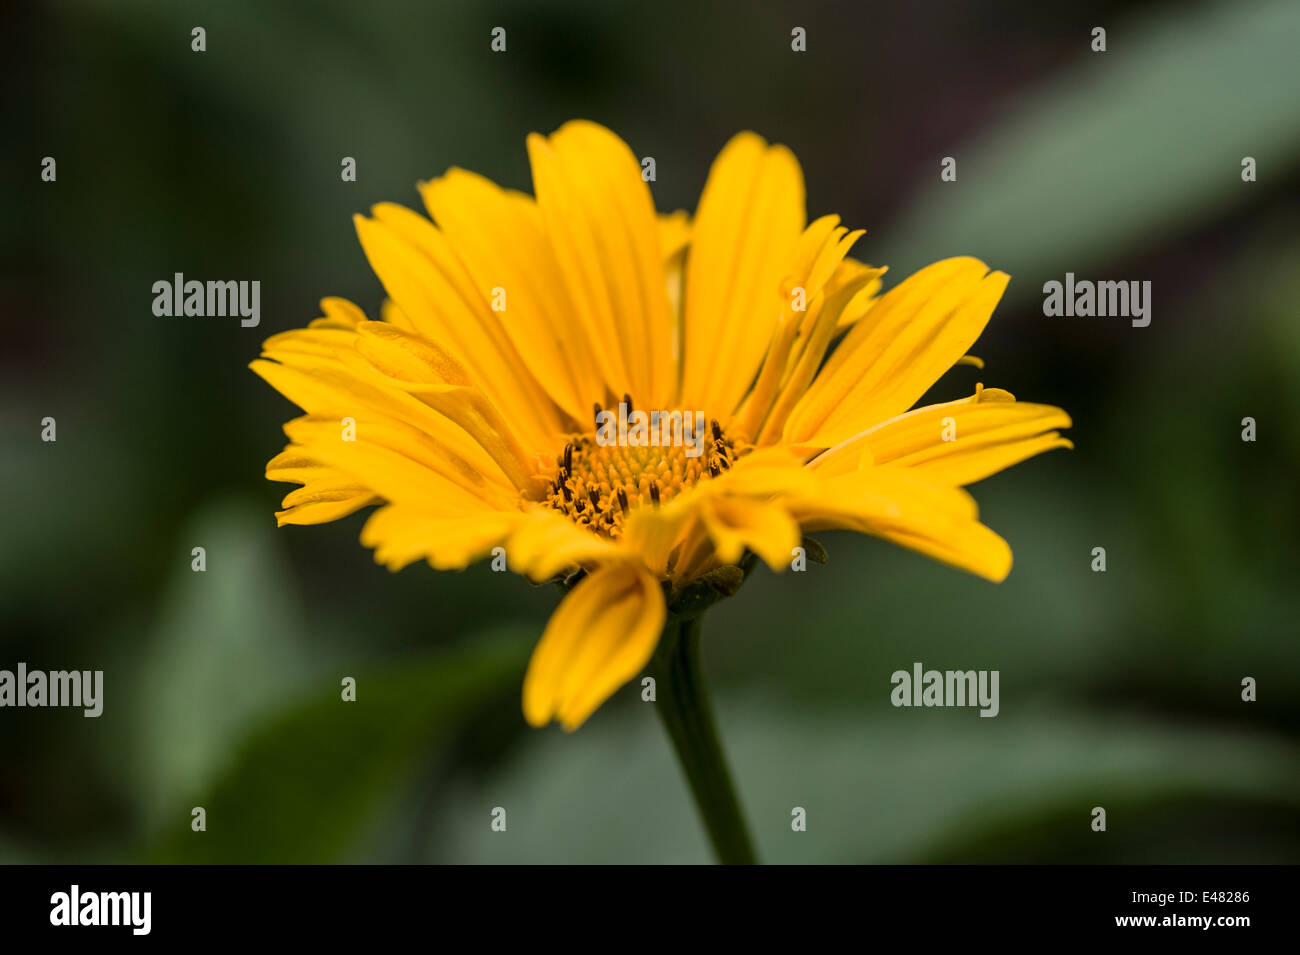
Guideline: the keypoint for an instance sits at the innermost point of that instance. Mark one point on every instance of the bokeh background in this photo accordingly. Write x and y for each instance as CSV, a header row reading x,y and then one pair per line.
x,y
1119,689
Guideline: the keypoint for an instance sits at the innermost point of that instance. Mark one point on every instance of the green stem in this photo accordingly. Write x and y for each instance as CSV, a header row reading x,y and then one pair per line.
x,y
682,700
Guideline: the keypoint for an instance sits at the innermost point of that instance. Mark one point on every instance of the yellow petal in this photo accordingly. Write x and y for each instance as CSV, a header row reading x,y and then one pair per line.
x,y
892,356
322,341
602,635
422,275
674,240
806,357
970,546
324,385
418,367
763,472
339,313
862,302
401,534
653,533
737,524
546,543
941,522
399,462
327,494
956,443
499,235
602,225
745,231
674,233
812,265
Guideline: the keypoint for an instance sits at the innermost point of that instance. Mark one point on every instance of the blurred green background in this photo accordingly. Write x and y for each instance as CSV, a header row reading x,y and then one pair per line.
x,y
1119,689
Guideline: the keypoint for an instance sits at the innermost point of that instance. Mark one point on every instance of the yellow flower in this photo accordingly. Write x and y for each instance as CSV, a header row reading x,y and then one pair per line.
x,y
469,414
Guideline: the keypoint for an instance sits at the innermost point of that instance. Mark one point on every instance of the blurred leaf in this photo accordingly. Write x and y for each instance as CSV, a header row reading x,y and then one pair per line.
x,y
1139,140
303,785
891,789
226,645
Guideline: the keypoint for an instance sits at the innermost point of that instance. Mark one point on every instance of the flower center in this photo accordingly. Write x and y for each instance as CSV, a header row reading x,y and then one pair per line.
x,y
635,458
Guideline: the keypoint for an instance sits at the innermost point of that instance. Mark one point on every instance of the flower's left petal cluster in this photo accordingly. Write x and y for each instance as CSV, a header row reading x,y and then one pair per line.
x,y
437,295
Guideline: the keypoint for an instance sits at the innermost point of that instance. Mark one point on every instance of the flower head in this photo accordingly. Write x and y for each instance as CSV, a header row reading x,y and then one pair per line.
x,y
630,401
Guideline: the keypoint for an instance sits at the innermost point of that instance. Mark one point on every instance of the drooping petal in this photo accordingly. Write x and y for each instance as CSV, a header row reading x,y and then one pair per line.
x,y
941,522
602,635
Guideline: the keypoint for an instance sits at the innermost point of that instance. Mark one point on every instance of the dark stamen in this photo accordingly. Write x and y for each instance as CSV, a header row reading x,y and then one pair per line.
x,y
568,458
654,492
622,499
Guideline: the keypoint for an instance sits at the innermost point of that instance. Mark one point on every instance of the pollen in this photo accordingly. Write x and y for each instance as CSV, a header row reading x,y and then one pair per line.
x,y
599,481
